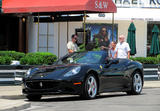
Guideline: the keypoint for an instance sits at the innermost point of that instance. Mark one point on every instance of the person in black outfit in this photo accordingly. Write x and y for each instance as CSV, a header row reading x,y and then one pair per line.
x,y
104,45
102,33
102,37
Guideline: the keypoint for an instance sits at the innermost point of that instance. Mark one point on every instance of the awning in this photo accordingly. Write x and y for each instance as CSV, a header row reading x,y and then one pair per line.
x,y
0,3
34,6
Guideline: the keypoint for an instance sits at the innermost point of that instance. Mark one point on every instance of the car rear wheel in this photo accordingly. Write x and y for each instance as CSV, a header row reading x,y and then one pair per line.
x,y
33,97
90,87
137,84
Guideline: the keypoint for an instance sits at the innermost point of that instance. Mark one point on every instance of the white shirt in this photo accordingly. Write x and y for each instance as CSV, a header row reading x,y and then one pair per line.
x,y
72,46
112,53
122,50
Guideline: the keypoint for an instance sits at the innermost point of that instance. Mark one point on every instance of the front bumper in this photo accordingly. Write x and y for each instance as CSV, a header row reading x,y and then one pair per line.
x,y
48,87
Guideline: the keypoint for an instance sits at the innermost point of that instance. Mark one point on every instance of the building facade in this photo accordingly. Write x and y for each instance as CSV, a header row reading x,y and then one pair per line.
x,y
53,37
13,33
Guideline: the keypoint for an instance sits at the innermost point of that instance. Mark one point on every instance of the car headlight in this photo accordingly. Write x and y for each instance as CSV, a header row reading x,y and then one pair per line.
x,y
28,73
74,71
31,71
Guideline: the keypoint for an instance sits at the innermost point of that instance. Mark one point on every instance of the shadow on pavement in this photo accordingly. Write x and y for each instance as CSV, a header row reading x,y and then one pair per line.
x,y
76,98
62,98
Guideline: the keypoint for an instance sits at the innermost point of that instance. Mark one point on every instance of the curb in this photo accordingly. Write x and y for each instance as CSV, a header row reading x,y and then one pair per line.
x,y
13,97
17,108
150,87
19,105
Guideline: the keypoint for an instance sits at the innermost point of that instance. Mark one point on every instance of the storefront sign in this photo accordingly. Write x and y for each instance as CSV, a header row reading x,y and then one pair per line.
x,y
138,3
96,30
101,4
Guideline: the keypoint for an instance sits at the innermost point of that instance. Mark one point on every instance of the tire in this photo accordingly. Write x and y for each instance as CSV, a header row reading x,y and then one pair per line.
x,y
137,84
33,97
90,87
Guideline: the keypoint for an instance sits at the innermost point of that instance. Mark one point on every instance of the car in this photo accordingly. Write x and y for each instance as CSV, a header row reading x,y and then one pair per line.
x,y
86,74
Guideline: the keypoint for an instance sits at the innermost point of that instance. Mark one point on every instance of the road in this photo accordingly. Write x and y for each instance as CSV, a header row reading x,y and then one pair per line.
x,y
149,100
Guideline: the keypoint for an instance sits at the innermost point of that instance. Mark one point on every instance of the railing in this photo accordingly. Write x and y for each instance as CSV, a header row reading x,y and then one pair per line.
x,y
11,76
151,73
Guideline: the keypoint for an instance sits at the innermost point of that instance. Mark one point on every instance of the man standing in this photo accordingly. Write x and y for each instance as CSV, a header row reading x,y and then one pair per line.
x,y
71,45
122,48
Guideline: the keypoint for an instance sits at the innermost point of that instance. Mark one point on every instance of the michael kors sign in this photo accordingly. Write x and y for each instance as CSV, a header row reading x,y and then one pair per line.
x,y
138,3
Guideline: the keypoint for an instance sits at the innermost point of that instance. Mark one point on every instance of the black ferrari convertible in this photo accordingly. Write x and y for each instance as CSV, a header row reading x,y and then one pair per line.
x,y
86,74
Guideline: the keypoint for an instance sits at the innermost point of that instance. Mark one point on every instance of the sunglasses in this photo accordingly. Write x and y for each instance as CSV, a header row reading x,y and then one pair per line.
x,y
75,38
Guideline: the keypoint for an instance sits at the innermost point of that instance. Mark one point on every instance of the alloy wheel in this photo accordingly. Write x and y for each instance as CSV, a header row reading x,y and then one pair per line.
x,y
137,83
91,87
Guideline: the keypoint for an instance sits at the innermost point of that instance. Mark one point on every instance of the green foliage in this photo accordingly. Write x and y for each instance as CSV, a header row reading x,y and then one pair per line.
x,y
2,60
13,54
8,60
158,57
146,60
82,47
5,60
95,47
38,58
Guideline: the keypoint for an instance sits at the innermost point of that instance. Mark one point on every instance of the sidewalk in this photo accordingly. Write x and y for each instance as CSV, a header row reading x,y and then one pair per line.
x,y
152,84
11,98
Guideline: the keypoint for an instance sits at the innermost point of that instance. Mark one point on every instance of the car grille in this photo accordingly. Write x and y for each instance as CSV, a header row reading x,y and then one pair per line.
x,y
41,84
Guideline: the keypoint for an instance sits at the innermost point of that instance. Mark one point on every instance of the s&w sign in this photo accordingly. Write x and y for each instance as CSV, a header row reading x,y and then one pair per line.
x,y
101,4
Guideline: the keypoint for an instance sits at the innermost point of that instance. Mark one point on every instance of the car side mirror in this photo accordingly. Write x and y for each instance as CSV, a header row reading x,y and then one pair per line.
x,y
115,61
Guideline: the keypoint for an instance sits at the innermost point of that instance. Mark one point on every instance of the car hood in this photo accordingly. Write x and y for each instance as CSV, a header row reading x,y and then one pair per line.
x,y
51,72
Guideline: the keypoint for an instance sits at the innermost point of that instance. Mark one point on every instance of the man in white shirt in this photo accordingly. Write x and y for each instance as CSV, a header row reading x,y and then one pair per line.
x,y
122,48
71,45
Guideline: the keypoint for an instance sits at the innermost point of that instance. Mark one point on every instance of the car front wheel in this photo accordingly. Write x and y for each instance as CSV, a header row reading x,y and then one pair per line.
x,y
137,84
90,87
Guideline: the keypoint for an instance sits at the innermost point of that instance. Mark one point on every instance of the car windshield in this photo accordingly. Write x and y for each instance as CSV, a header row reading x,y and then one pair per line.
x,y
82,57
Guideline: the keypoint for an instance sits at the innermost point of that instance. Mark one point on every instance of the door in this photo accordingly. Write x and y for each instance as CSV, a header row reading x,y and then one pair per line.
x,y
113,75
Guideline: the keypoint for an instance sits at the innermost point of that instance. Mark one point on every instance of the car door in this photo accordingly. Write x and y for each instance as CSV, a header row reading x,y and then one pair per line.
x,y
113,75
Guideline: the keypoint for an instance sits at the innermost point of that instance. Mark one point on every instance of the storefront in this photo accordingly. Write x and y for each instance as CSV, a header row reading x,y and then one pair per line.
x,y
143,13
143,19
53,36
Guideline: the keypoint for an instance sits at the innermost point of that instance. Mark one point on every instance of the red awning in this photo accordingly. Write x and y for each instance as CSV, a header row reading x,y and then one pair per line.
x,y
34,6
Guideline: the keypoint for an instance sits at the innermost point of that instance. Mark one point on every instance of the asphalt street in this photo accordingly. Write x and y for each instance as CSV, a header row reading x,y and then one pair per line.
x,y
149,100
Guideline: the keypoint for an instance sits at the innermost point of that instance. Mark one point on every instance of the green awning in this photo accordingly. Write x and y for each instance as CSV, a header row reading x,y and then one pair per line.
x,y
155,49
131,38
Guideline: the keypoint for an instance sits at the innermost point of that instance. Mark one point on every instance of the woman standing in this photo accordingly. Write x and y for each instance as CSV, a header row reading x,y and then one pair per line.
x,y
112,50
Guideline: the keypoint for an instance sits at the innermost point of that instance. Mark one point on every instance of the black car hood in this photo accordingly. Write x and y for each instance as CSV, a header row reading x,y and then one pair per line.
x,y
51,72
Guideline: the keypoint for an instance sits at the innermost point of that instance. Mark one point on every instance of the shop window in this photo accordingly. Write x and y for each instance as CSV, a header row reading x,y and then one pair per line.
x,y
80,33
46,37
